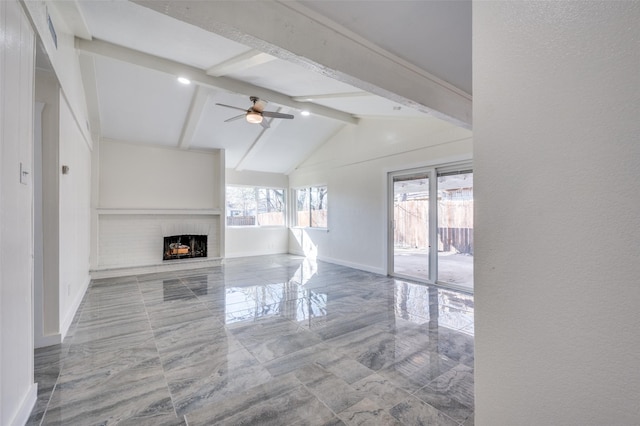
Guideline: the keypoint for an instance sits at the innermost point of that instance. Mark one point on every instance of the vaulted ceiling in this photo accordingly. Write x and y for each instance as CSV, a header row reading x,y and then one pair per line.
x,y
338,60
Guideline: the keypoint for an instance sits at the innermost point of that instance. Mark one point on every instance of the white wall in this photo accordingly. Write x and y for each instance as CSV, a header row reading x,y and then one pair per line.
x,y
354,165
557,230
17,390
65,205
74,225
146,177
256,240
250,178
63,58
146,193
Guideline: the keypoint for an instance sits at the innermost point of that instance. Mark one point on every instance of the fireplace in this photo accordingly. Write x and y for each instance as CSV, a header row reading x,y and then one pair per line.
x,y
184,247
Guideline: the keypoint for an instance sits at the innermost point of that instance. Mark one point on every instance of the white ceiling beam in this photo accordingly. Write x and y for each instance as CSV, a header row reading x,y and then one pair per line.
x,y
198,102
88,73
72,14
241,62
259,142
311,98
291,31
198,76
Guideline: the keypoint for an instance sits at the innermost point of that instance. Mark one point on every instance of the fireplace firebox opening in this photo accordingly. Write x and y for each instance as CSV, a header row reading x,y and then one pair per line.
x,y
184,246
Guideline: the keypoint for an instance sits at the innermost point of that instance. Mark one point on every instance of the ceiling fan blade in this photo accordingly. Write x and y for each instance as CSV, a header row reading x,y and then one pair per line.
x,y
230,106
237,117
265,124
276,114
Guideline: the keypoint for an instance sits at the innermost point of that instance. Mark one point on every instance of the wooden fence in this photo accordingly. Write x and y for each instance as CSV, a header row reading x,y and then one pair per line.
x,y
455,225
263,219
319,218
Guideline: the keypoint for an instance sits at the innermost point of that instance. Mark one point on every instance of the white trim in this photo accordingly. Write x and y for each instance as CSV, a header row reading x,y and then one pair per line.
x,y
256,253
24,411
354,265
360,266
71,313
214,212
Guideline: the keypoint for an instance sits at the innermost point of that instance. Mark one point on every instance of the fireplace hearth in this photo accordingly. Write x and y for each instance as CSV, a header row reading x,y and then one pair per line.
x,y
184,247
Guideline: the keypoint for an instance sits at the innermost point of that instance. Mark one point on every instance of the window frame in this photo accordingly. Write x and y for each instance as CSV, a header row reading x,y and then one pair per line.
x,y
256,201
294,208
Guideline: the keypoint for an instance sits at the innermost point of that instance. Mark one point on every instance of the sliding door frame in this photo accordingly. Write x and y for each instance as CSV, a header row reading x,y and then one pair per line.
x,y
432,173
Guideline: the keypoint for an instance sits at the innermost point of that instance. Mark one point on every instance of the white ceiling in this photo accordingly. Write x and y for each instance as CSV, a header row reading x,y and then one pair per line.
x,y
132,55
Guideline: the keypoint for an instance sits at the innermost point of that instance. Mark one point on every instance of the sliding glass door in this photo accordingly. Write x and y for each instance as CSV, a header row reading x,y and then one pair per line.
x,y
455,228
431,225
410,225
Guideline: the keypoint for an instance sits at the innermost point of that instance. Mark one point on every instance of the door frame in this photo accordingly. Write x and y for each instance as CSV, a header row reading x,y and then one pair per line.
x,y
432,226
432,172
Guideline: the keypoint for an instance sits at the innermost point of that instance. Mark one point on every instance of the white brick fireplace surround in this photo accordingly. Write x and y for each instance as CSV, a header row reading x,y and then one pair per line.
x,y
131,241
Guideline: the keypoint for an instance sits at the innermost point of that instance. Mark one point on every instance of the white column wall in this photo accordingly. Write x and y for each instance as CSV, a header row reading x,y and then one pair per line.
x,y
557,229
74,223
17,390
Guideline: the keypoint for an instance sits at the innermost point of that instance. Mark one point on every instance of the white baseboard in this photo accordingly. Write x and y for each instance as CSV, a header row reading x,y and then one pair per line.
x,y
255,253
49,340
170,266
367,268
71,313
26,406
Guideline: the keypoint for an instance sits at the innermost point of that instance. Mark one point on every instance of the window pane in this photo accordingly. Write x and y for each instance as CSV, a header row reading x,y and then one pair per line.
x,y
319,206
271,204
411,225
455,229
241,206
302,207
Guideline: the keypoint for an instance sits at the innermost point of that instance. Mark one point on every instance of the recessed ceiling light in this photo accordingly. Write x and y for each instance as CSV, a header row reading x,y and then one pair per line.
x,y
305,113
184,80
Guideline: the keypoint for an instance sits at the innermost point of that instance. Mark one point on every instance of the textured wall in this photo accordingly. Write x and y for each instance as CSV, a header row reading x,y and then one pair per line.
x,y
556,161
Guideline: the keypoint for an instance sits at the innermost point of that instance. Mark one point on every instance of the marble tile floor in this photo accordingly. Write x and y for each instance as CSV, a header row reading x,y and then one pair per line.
x,y
270,340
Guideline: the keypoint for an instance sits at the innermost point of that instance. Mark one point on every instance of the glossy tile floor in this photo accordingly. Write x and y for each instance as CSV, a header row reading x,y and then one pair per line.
x,y
273,340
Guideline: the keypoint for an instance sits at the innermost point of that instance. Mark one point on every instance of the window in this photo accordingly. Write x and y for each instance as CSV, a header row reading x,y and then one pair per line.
x,y
255,206
311,207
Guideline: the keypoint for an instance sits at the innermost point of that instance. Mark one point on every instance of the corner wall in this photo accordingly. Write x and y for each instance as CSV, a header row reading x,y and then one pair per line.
x,y
354,165
557,230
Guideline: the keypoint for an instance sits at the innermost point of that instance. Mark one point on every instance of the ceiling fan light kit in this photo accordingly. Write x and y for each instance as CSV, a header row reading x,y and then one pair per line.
x,y
254,117
255,113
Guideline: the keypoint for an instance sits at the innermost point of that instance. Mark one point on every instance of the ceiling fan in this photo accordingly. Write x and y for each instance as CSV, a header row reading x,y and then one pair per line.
x,y
256,113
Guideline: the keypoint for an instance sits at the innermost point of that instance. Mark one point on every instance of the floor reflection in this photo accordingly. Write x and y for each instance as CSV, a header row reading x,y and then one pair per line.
x,y
324,343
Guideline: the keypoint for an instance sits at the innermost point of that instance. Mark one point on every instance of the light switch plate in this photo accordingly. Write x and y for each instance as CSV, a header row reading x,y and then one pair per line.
x,y
23,174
